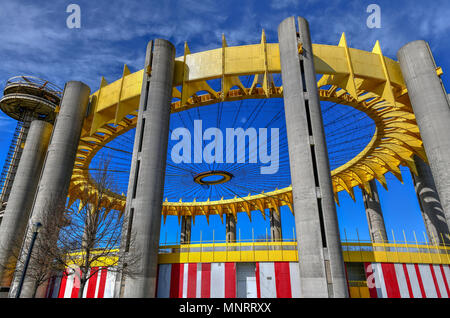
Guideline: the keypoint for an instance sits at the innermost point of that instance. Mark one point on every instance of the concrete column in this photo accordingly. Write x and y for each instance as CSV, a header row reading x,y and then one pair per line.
x,y
432,110
430,205
374,214
275,226
17,213
185,236
14,163
230,229
146,185
55,179
322,272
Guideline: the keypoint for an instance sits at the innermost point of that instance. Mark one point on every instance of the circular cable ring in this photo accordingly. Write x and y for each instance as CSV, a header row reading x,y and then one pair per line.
x,y
224,177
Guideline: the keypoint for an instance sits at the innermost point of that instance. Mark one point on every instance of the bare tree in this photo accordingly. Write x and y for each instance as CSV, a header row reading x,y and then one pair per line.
x,y
93,235
43,267
85,234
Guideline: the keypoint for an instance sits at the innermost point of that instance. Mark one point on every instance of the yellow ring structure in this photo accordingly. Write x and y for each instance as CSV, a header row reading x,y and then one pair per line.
x,y
226,176
367,81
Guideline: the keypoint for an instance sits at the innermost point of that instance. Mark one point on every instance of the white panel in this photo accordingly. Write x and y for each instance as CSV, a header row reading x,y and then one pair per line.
x,y
185,279
110,284
251,287
69,286
414,281
198,290
440,281
97,284
379,280
427,280
217,280
294,273
267,280
401,279
165,271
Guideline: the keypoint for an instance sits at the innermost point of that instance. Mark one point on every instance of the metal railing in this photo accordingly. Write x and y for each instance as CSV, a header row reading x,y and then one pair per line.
x,y
262,249
35,82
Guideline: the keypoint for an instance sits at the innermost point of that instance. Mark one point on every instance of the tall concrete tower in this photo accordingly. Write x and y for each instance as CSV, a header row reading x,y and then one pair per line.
x,y
33,103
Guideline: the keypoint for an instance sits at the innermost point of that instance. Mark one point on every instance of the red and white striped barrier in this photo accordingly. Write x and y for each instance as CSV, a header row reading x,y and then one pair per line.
x,y
228,280
67,285
386,280
259,280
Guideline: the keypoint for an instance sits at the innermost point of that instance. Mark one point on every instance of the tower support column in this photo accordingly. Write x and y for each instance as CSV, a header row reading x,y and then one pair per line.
x,y
185,236
146,185
430,205
322,272
432,111
54,183
275,226
374,214
230,229
17,213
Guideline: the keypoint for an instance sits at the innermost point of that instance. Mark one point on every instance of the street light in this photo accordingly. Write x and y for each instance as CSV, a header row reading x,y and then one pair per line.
x,y
35,230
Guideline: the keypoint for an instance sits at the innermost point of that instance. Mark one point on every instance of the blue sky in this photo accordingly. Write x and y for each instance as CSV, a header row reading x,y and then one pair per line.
x,y
36,41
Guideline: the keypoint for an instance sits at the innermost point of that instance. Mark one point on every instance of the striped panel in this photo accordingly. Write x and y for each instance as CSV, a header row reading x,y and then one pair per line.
x,y
100,285
266,280
217,289
294,274
386,280
219,280
278,280
197,280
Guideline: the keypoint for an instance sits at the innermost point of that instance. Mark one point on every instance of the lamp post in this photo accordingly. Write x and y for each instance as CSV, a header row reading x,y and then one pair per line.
x,y
35,230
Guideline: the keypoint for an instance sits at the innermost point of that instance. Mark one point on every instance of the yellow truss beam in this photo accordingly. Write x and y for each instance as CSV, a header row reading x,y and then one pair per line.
x,y
367,81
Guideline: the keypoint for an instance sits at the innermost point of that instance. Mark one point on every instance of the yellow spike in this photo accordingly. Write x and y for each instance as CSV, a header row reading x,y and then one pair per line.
x,y
386,87
336,198
121,110
186,49
352,194
381,178
377,48
263,36
343,40
350,86
126,70
411,165
103,82
366,187
224,41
